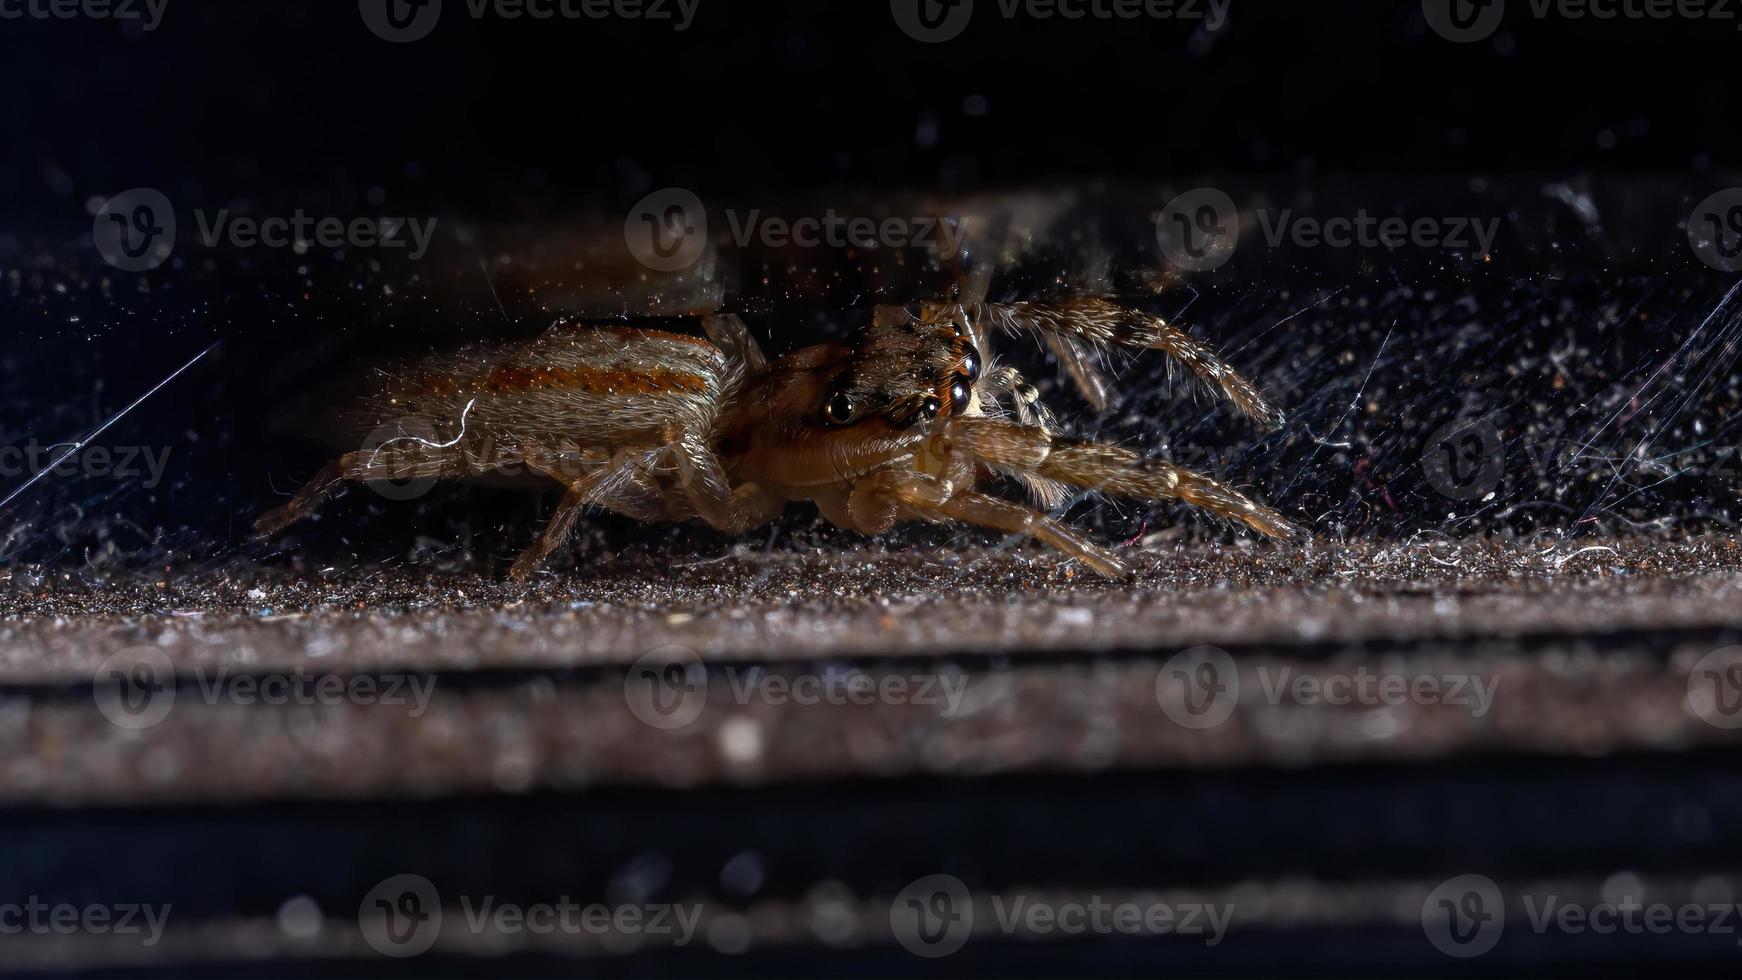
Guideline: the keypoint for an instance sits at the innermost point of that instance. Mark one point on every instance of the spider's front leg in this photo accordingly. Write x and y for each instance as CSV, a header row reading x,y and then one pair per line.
x,y
968,444
1111,470
1076,328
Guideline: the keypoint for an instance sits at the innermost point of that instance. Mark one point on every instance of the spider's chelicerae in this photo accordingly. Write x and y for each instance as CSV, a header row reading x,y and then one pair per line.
x,y
904,421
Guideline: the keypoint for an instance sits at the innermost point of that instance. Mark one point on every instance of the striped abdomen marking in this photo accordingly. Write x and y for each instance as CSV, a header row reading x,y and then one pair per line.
x,y
514,379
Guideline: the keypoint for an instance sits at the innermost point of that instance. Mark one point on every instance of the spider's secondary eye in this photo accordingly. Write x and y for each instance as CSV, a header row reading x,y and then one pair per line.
x,y
959,395
970,363
839,409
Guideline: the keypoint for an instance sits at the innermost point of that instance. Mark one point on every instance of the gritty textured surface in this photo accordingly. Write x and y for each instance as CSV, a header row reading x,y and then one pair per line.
x,y
57,626
1587,649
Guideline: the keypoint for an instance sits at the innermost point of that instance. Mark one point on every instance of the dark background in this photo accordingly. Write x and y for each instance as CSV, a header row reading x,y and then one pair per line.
x,y
288,97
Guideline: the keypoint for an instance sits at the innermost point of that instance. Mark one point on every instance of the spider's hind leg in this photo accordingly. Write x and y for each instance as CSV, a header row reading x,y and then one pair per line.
x,y
359,466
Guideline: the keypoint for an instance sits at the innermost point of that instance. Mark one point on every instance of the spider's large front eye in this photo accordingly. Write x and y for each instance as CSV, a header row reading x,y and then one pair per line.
x,y
970,363
960,392
840,408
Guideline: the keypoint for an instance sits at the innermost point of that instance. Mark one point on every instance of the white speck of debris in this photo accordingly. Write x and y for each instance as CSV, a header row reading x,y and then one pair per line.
x,y
832,918
299,917
512,772
1381,724
1076,616
741,741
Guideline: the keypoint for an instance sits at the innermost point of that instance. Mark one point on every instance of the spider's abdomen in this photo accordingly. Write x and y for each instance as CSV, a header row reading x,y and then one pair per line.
x,y
573,386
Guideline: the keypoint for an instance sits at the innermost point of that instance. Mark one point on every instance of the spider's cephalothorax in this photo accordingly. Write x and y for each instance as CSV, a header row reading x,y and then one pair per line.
x,y
907,369
904,421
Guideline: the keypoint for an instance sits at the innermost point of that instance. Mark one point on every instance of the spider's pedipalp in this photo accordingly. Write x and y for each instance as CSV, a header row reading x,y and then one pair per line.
x,y
1006,382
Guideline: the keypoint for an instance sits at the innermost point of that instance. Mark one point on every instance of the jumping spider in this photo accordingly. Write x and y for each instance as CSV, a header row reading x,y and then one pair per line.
x,y
902,422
